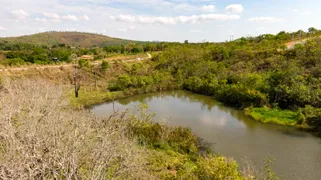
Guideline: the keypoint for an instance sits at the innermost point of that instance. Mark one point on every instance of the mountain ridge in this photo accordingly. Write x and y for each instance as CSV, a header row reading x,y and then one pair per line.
x,y
76,39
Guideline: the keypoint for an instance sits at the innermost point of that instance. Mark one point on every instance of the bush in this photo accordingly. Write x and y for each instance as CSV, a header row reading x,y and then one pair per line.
x,y
14,62
239,96
104,66
83,63
217,167
160,135
312,117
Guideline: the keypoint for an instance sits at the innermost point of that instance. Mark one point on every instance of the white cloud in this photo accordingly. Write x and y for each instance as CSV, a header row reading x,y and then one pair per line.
x,y
51,15
42,29
43,20
20,14
71,29
55,20
302,13
185,7
306,13
174,20
261,28
84,17
208,8
234,8
127,29
123,29
2,28
70,17
196,31
264,19
231,33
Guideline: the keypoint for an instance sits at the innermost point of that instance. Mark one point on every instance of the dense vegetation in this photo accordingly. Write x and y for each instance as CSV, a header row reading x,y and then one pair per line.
x,y
15,54
253,73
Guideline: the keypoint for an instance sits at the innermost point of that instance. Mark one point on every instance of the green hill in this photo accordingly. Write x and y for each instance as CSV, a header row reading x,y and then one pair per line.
x,y
69,38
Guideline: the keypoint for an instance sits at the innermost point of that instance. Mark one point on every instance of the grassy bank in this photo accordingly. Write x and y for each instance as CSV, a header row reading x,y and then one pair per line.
x,y
92,97
89,96
307,118
278,116
275,115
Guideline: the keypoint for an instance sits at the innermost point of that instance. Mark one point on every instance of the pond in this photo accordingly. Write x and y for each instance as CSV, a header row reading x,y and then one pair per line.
x,y
231,133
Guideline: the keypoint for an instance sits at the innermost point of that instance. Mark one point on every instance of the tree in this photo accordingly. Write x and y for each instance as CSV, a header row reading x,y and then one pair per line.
x,y
312,30
61,53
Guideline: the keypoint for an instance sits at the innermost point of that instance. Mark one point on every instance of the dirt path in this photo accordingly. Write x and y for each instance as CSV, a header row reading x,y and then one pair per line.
x,y
291,45
149,56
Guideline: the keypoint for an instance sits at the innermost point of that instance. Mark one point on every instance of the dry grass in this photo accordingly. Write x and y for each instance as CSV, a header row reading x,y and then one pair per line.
x,y
123,57
41,139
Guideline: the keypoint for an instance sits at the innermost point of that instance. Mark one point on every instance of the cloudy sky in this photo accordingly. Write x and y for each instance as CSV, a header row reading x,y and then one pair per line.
x,y
164,20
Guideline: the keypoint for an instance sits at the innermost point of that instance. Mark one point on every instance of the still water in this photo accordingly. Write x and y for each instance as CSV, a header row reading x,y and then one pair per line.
x,y
229,132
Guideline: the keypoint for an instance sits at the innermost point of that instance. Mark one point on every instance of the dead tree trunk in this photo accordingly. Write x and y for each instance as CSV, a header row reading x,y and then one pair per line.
x,y
95,76
76,81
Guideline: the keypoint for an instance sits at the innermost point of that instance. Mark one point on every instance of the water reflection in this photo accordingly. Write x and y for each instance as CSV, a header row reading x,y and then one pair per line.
x,y
294,134
230,132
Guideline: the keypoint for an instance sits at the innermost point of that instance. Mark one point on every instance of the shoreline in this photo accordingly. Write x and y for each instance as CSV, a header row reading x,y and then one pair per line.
x,y
97,97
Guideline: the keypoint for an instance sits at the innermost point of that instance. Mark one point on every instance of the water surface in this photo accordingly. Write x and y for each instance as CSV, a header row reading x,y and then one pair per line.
x,y
229,132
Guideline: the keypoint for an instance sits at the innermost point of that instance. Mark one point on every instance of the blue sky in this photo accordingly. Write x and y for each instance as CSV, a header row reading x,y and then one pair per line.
x,y
163,20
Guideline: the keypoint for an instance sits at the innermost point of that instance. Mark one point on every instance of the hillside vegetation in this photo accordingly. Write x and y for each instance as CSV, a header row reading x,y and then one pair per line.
x,y
75,39
26,50
43,137
259,74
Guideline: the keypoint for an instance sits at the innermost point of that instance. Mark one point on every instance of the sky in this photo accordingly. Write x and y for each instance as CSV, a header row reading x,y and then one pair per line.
x,y
160,20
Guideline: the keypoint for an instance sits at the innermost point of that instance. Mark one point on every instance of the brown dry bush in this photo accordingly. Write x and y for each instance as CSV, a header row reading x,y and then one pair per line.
x,y
42,138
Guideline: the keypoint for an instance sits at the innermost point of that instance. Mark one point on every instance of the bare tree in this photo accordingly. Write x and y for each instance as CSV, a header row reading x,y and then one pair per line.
x,y
76,80
95,76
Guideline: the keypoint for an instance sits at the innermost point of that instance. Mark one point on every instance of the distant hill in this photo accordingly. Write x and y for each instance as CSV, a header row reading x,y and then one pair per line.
x,y
69,38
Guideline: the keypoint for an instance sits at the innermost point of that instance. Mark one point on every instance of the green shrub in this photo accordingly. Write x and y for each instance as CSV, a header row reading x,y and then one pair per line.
x,y
14,62
104,66
240,96
312,117
161,136
83,63
217,167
